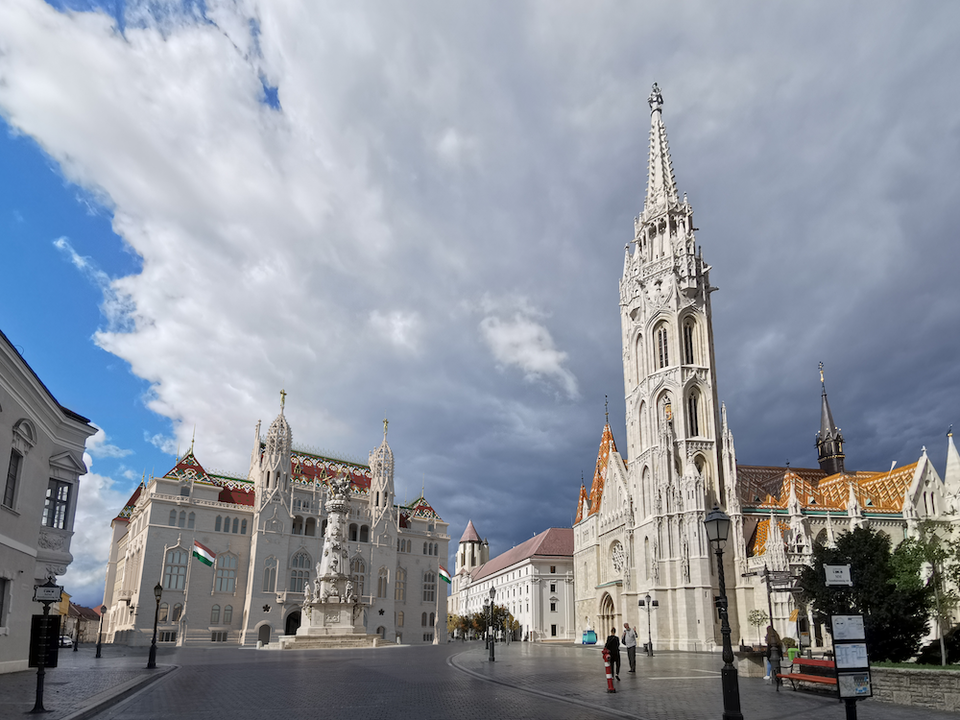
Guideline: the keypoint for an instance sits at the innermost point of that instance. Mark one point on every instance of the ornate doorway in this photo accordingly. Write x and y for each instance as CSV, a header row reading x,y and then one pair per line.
x,y
608,617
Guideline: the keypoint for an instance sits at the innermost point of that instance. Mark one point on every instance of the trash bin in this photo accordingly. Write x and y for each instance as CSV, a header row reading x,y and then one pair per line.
x,y
792,653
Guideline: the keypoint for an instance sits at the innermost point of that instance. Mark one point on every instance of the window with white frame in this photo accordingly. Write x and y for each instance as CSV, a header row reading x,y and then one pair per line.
x,y
13,478
227,614
429,587
401,589
299,571
382,578
57,504
270,575
215,615
226,580
358,572
175,569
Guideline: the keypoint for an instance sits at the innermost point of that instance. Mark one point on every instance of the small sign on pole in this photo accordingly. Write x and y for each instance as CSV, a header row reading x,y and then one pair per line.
x,y
837,575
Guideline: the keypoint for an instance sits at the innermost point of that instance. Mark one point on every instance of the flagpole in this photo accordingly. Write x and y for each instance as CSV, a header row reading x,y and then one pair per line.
x,y
186,595
436,627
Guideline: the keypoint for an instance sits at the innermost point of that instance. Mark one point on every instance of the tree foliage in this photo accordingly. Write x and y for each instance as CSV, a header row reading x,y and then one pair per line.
x,y
758,618
886,590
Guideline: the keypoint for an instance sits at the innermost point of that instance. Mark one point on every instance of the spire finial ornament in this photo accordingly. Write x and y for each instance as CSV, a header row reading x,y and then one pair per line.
x,y
283,399
822,384
950,430
656,98
606,409
193,439
385,423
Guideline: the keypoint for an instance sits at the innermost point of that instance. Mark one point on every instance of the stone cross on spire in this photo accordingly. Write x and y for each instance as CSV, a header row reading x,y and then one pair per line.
x,y
283,399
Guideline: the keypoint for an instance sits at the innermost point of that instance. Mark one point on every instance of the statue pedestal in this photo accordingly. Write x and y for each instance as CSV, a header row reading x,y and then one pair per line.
x,y
330,625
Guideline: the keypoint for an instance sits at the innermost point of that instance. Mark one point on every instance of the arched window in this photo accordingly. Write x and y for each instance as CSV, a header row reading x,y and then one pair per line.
x,y
191,520
646,557
299,571
310,528
270,575
400,619
226,524
425,550
228,614
663,350
226,580
182,522
364,533
401,589
646,493
297,525
638,354
693,413
173,518
175,569
164,612
236,525
323,527
382,583
353,532
433,619
243,526
215,615
177,612
218,524
423,620
689,355
358,571
429,587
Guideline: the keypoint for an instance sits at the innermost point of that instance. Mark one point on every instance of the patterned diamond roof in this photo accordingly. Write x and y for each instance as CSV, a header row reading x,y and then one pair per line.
x,y
607,445
420,508
582,502
758,543
131,503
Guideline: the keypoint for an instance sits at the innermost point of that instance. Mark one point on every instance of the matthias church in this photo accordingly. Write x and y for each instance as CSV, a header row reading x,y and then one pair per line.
x,y
639,527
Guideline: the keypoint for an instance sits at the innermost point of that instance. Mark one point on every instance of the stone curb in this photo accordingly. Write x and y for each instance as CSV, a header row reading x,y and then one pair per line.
x,y
108,698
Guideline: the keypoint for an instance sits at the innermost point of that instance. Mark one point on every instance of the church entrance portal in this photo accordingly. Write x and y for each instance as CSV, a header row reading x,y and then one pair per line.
x,y
263,634
608,616
293,622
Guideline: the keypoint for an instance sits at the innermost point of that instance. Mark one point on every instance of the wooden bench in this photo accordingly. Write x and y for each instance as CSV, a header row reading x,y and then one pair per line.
x,y
823,672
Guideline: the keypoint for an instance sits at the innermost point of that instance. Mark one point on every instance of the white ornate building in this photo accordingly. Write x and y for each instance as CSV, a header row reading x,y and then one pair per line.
x,y
533,580
266,531
639,528
41,451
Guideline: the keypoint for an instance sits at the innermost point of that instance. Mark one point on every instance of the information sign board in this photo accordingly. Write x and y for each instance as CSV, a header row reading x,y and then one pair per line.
x,y
47,593
854,684
848,627
837,575
47,629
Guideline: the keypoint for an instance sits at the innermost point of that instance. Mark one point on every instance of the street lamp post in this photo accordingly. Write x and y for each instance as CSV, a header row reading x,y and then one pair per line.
x,y
650,604
152,661
103,610
76,641
490,631
717,523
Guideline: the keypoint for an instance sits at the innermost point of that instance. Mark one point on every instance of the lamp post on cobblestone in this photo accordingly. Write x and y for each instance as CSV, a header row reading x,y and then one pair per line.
x,y
103,609
152,660
717,523
650,604
490,631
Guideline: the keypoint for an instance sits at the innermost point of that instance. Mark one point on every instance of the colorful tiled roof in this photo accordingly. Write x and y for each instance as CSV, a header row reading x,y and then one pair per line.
x,y
582,502
767,488
758,543
607,445
420,508
124,514
553,542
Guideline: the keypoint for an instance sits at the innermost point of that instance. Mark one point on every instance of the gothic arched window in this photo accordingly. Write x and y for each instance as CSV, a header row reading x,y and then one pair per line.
x,y
689,330
382,583
215,615
299,571
270,575
401,589
226,580
693,413
364,533
175,569
358,571
663,350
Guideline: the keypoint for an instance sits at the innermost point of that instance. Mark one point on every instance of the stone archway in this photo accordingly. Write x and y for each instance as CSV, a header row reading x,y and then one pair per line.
x,y
263,634
608,616
293,622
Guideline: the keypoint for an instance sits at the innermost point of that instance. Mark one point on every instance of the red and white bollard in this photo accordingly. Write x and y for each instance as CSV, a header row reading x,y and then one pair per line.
x,y
609,671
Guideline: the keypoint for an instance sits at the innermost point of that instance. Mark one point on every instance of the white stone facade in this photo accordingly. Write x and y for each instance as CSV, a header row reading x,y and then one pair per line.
x,y
533,580
41,454
266,531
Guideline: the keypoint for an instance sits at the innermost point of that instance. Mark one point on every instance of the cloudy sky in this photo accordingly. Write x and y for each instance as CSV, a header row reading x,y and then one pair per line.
x,y
418,210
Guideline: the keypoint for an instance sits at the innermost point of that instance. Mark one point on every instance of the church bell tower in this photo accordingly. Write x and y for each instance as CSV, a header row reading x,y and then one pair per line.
x,y
668,364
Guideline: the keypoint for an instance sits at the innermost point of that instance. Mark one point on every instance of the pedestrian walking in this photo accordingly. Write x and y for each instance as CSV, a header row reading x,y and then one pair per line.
x,y
630,643
774,653
612,646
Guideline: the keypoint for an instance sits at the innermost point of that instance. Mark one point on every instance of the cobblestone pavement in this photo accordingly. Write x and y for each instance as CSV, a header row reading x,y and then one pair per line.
x,y
449,682
80,684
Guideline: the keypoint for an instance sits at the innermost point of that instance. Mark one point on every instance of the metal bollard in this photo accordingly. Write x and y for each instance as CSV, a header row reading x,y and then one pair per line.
x,y
609,671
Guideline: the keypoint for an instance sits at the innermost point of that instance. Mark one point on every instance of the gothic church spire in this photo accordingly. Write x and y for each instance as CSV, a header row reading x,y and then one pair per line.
x,y
661,183
829,439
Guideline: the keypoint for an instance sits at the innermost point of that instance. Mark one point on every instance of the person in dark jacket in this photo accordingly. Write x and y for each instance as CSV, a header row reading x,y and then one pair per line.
x,y
612,646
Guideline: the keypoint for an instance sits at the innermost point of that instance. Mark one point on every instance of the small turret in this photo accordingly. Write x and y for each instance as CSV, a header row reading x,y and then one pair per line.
x,y
381,484
275,465
829,439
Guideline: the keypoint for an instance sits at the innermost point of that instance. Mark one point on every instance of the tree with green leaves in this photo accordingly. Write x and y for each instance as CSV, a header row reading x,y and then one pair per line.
x,y
758,618
887,591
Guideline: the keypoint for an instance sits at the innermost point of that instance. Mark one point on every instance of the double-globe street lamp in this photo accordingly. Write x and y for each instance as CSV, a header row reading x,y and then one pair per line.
x,y
717,523
152,661
493,594
650,604
103,610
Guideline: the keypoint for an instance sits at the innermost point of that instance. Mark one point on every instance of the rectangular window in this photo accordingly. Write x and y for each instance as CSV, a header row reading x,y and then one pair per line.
x,y
56,505
553,631
218,636
167,636
429,587
226,573
13,475
4,587
553,607
553,587
553,568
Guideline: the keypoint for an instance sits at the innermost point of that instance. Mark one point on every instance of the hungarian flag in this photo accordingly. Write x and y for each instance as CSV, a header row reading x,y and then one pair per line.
x,y
205,554
444,575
